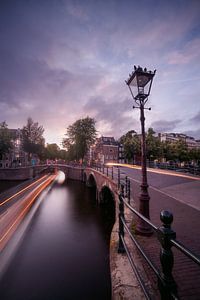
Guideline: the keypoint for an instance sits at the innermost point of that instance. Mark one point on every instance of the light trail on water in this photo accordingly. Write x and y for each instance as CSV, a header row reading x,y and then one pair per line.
x,y
23,190
15,214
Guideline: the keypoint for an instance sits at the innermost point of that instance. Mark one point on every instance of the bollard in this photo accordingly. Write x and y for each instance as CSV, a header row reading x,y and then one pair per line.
x,y
129,191
121,225
166,282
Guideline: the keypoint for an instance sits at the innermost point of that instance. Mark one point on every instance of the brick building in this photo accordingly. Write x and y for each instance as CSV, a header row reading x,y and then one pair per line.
x,y
16,156
105,150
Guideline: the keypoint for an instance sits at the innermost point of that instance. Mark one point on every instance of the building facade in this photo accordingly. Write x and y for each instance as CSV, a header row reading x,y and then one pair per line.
x,y
16,157
106,150
190,142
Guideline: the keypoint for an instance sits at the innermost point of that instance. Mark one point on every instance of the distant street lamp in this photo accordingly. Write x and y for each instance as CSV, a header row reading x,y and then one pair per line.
x,y
139,83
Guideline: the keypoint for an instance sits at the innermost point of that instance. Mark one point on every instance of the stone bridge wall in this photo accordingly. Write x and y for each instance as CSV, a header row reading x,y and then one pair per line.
x,y
89,175
21,173
73,173
101,181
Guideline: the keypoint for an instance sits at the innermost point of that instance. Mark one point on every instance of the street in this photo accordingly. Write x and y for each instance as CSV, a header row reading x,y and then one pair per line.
x,y
182,187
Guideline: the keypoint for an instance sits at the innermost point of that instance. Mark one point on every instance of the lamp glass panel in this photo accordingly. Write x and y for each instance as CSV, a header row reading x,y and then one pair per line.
x,y
143,80
147,88
134,81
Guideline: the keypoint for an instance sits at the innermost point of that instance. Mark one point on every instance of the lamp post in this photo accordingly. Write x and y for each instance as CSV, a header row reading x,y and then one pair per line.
x,y
139,83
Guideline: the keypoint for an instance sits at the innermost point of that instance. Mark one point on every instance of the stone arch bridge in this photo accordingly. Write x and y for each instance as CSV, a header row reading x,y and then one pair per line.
x,y
105,187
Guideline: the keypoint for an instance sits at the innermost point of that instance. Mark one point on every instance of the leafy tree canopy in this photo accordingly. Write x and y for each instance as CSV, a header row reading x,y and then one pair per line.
x,y
153,145
131,143
5,139
52,151
32,136
80,135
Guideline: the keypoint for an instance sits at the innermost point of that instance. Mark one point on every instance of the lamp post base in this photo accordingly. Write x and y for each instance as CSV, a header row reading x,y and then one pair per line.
x,y
143,228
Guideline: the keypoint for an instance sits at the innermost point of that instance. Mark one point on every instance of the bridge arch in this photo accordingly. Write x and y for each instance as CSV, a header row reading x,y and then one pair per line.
x,y
108,207
106,195
91,181
84,177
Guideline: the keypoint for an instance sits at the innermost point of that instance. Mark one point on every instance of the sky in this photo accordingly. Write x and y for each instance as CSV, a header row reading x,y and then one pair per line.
x,y
62,60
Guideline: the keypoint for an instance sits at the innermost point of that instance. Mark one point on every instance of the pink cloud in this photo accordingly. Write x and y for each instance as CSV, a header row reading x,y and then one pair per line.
x,y
190,52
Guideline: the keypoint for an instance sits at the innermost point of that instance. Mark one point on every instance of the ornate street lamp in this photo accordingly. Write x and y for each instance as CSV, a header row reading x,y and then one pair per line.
x,y
139,83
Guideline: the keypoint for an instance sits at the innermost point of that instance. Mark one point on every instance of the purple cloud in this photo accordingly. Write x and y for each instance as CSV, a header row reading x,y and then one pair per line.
x,y
164,126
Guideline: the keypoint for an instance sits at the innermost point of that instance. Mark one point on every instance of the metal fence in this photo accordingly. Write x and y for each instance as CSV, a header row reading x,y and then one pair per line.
x,y
167,238
165,235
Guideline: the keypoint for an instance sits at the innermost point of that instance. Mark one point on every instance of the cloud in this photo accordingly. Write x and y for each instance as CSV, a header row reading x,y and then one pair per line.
x,y
188,53
164,126
113,117
193,133
196,118
62,60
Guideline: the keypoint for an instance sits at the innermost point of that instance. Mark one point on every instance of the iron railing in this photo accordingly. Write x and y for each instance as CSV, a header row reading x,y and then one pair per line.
x,y
116,175
167,238
165,234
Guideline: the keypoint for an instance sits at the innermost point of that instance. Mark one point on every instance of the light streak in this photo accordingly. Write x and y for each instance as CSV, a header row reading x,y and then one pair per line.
x,y
164,172
26,188
23,212
60,177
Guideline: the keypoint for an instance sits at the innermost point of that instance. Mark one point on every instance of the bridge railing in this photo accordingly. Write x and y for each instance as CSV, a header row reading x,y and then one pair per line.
x,y
167,238
117,175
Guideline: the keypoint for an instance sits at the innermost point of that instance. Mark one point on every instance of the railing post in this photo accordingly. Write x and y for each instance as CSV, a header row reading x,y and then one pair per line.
x,y
129,191
112,172
107,172
103,169
126,185
121,225
166,283
118,177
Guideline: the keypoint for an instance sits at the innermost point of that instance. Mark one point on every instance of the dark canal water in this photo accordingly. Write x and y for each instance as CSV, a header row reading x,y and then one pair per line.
x,y
7,184
65,251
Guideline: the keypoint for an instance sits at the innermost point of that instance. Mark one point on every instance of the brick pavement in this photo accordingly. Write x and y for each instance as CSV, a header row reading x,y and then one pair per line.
x,y
187,227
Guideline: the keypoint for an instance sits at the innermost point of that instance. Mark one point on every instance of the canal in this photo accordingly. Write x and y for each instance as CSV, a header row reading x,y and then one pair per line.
x,y
65,251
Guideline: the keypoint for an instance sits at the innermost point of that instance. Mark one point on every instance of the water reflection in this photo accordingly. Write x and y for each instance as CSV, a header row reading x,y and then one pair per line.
x,y
64,254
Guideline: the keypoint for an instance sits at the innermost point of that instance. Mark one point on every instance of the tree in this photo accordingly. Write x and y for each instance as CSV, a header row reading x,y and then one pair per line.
x,y
180,151
131,143
63,154
32,138
153,145
52,151
5,139
80,136
194,155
